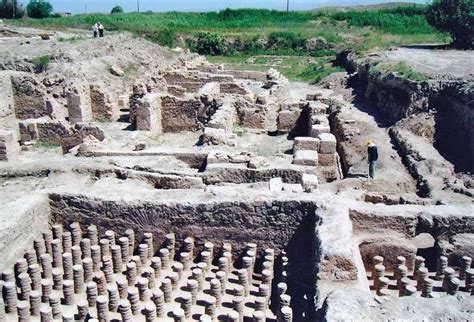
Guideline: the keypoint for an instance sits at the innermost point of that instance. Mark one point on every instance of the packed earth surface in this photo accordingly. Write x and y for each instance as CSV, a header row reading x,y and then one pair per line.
x,y
143,183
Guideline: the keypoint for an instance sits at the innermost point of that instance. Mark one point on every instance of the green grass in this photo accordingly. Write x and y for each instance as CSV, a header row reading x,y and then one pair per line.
x,y
40,144
41,63
306,40
400,69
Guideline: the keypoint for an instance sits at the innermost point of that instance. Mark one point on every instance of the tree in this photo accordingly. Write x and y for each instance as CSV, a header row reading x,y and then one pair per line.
x,y
117,9
11,9
39,9
455,17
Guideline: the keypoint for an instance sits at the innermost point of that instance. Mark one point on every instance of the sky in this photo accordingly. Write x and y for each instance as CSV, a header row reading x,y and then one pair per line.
x,y
79,6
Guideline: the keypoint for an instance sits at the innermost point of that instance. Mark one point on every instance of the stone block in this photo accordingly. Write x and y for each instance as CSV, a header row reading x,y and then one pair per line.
x,y
327,160
275,184
253,116
74,108
232,88
306,157
309,182
148,114
100,104
319,119
318,129
180,114
9,148
305,143
287,119
328,143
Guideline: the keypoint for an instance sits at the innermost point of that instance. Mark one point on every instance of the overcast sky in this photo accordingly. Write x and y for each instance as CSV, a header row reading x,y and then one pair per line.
x,y
78,6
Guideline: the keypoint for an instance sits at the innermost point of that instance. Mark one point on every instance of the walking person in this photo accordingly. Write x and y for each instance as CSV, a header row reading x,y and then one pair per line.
x,y
101,29
373,156
95,30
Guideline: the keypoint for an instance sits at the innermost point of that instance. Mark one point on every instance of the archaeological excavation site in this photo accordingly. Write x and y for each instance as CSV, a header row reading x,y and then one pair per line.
x,y
141,183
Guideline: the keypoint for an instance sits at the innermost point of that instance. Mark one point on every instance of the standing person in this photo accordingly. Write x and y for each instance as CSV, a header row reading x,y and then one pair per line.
x,y
101,29
373,156
95,30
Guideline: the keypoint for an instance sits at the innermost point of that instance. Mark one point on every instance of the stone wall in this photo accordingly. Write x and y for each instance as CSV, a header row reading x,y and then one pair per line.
x,y
148,114
180,114
100,104
29,97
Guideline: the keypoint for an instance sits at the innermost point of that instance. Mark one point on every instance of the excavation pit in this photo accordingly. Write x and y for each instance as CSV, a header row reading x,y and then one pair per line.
x,y
275,243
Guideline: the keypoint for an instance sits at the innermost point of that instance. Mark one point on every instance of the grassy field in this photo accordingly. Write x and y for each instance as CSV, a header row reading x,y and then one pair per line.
x,y
302,42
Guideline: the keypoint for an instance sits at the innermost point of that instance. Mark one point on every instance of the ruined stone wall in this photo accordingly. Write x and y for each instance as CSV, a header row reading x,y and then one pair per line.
x,y
100,104
180,114
29,97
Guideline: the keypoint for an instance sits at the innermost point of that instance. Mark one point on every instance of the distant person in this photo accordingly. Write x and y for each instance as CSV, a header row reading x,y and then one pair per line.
x,y
95,30
101,29
373,156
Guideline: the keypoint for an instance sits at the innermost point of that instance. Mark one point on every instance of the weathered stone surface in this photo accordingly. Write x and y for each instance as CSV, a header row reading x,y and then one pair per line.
x,y
309,182
236,173
223,118
117,71
8,147
306,157
275,184
328,143
305,143
100,104
253,116
327,160
377,222
29,97
287,120
180,114
210,89
16,233
148,116
318,129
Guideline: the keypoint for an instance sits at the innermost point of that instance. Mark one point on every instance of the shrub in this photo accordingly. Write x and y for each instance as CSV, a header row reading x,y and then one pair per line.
x,y
164,37
455,17
41,63
286,40
209,43
39,9
10,9
116,9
